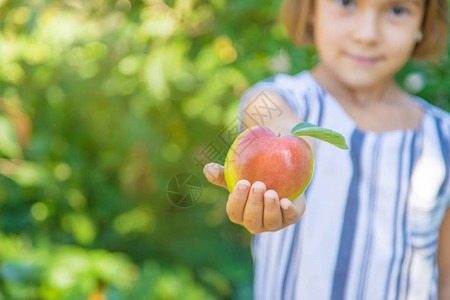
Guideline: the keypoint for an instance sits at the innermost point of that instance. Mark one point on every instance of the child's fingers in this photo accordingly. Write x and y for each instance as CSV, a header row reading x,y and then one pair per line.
x,y
253,211
214,173
292,211
236,201
272,213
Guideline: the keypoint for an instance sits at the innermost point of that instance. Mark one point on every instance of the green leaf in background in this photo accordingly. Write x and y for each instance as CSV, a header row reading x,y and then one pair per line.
x,y
327,135
27,174
82,228
9,145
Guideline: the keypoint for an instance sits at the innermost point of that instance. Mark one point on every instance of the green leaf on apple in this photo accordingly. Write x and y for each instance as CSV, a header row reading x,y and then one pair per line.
x,y
327,135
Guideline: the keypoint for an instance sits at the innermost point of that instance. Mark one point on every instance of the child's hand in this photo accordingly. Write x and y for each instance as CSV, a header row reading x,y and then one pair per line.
x,y
256,208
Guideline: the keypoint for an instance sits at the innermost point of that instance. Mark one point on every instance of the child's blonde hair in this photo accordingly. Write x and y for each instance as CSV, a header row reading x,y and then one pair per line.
x,y
296,15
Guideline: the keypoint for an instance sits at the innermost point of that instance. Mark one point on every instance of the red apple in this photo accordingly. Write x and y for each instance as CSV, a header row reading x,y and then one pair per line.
x,y
284,164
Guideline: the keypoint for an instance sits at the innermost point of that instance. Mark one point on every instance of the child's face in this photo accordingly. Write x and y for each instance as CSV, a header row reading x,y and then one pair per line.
x,y
364,42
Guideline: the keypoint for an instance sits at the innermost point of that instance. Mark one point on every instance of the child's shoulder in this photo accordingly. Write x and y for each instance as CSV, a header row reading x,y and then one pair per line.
x,y
438,121
293,89
441,116
289,87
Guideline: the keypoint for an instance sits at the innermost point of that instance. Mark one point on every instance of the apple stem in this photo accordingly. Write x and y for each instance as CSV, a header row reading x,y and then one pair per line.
x,y
279,134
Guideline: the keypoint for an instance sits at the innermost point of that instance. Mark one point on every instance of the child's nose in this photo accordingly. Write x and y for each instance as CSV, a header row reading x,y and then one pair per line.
x,y
366,28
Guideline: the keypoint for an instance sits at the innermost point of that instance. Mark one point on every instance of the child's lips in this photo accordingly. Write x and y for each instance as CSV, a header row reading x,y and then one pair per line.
x,y
363,60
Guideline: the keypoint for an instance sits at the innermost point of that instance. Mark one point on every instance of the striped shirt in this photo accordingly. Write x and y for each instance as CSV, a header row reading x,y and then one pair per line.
x,y
373,212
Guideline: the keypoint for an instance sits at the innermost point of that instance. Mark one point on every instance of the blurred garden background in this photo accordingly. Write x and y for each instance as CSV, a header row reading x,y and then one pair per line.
x,y
102,104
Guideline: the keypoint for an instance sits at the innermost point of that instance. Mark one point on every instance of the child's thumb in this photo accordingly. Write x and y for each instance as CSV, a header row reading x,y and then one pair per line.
x,y
215,174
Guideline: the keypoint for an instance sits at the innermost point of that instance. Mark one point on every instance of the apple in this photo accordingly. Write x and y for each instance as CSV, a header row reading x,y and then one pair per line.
x,y
283,163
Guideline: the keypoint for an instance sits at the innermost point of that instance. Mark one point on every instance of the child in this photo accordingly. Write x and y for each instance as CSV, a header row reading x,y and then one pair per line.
x,y
373,213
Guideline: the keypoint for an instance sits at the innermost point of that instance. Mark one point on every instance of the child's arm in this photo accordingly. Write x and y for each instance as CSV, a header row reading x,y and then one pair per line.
x,y
443,258
260,211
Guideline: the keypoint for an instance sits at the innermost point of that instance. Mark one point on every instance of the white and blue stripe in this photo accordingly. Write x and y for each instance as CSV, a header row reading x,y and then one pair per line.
x,y
373,213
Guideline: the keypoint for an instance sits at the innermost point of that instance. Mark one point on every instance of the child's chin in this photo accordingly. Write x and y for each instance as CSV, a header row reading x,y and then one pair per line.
x,y
361,79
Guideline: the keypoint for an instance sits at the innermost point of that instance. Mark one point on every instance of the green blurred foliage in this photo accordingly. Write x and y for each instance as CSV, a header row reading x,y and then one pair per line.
x,y
102,103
